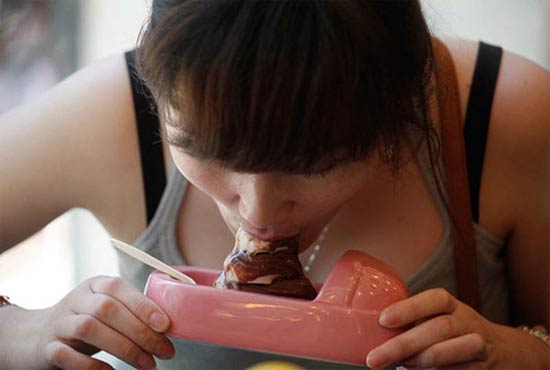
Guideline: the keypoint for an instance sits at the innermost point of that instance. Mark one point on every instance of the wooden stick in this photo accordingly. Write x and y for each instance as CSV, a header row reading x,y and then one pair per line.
x,y
151,261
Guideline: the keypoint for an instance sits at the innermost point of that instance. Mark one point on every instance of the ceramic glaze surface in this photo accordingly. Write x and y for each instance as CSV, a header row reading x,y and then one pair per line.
x,y
340,324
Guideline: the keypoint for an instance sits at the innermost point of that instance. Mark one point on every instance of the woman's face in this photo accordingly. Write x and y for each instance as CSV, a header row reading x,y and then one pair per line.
x,y
274,205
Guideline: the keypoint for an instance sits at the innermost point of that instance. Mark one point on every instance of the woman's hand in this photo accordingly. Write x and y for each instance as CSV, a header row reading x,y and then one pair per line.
x,y
448,333
102,313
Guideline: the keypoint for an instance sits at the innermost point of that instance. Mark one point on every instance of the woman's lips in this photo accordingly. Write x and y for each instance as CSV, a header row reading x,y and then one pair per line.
x,y
306,234
269,236
269,233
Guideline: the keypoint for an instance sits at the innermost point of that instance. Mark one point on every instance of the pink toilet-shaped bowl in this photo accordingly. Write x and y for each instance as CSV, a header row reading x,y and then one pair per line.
x,y
339,325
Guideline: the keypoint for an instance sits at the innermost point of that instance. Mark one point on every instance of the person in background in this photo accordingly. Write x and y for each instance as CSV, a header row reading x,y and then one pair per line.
x,y
28,45
285,118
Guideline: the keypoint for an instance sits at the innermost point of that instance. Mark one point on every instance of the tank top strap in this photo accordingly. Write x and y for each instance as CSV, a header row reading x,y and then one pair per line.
x,y
478,114
150,143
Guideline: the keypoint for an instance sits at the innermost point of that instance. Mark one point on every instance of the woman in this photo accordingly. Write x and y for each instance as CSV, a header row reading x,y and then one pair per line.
x,y
283,118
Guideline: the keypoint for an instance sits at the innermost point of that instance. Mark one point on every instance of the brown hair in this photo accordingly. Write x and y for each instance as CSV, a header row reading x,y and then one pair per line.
x,y
282,85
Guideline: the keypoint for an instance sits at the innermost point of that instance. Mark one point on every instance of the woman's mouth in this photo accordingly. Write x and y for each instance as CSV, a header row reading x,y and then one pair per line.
x,y
306,234
269,236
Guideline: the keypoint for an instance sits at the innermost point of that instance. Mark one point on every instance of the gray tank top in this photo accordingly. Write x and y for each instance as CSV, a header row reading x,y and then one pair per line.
x,y
159,239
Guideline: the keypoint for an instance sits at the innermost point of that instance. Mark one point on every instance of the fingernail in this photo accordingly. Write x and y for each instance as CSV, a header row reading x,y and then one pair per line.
x,y
159,321
146,362
386,319
164,350
377,359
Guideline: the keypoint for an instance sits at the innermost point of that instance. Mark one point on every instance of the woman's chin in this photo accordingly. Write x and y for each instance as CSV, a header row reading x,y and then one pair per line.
x,y
307,238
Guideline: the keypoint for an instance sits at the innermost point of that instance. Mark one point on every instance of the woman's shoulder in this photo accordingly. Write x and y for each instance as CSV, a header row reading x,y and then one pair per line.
x,y
120,205
121,208
518,130
76,146
521,82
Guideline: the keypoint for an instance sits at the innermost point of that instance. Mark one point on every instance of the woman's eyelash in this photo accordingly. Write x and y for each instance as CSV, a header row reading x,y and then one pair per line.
x,y
316,174
322,171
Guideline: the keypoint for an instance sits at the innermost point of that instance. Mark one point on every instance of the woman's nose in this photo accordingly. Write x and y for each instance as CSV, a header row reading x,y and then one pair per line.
x,y
265,203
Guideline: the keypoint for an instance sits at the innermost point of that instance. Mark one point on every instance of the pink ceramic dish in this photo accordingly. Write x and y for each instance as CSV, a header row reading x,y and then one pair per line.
x,y
340,325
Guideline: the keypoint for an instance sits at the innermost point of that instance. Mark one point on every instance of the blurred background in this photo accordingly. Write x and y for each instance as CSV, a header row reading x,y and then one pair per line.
x,y
43,41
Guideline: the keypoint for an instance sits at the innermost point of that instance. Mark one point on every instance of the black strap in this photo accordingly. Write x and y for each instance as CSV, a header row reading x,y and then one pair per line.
x,y
150,144
478,114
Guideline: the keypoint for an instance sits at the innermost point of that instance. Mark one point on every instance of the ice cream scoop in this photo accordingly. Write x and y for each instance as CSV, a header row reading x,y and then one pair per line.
x,y
270,267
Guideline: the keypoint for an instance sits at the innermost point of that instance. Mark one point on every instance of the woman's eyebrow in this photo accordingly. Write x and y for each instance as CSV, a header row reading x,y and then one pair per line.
x,y
171,123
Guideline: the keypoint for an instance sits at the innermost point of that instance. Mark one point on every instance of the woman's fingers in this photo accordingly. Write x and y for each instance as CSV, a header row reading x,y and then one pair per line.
x,y
418,307
116,315
443,334
415,340
133,299
66,357
110,314
90,330
469,348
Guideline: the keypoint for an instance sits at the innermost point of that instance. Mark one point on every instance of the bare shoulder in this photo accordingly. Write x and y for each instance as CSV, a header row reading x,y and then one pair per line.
x,y
464,54
74,147
517,75
518,150
117,199
518,131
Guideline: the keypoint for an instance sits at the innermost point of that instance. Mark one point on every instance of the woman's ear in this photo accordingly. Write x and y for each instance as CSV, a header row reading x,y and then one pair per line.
x,y
142,36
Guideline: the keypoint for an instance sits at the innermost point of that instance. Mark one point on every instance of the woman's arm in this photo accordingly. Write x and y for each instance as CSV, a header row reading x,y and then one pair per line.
x,y
518,156
102,313
514,195
77,147
514,204
74,147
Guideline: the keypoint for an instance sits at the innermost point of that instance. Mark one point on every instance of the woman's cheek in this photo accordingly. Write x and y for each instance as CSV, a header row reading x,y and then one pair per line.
x,y
209,179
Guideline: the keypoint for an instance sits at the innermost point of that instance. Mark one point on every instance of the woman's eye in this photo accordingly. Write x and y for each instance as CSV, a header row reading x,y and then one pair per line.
x,y
316,174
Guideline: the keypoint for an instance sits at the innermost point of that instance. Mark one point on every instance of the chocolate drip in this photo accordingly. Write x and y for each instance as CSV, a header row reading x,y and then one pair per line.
x,y
265,267
248,268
